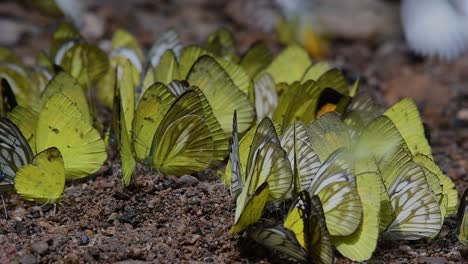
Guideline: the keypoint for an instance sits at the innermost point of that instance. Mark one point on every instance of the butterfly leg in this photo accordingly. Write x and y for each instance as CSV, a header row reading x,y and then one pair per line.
x,y
4,207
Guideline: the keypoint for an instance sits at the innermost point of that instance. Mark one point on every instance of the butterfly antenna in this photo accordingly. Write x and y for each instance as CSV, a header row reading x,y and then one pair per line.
x,y
4,208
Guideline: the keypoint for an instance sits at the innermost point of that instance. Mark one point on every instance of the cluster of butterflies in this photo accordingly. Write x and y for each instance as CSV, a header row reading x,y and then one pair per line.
x,y
295,132
352,171
351,178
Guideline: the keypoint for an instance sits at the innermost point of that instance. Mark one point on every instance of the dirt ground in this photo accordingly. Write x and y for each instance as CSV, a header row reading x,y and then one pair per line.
x,y
187,220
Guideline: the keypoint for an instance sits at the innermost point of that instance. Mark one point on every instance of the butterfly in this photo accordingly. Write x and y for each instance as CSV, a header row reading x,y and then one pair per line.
x,y
222,93
331,177
405,116
303,235
161,63
416,211
268,176
289,65
43,180
19,83
172,130
265,96
15,152
62,120
409,186
426,27
360,245
256,59
307,99
9,100
224,84
221,43
169,40
244,148
328,133
462,218
125,49
85,62
72,10
61,124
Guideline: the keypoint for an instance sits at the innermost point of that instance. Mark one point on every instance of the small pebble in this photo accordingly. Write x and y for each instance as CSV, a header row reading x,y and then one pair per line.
x,y
39,247
28,259
167,183
194,239
405,249
18,214
84,240
187,180
112,217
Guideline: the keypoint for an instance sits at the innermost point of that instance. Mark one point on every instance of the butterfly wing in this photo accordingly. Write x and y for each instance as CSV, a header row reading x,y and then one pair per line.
x,y
319,246
26,121
181,147
327,134
62,125
306,220
221,43
462,217
266,97
416,210
298,102
168,41
257,58
250,207
154,103
308,161
15,151
44,180
127,158
289,65
334,183
449,191
235,164
222,94
360,245
165,71
406,118
191,54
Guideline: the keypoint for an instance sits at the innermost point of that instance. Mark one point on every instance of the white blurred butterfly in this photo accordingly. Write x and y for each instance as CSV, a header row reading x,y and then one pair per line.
x,y
436,28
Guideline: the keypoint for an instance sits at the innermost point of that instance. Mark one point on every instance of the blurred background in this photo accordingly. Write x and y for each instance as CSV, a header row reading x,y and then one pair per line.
x,y
397,48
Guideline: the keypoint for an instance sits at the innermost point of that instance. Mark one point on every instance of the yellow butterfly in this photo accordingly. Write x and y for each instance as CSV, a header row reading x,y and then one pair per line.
x,y
463,219
360,245
256,59
221,43
44,179
268,176
84,61
63,123
304,235
407,120
172,130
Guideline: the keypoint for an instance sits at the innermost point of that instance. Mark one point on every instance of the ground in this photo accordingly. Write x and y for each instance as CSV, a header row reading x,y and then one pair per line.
x,y
171,220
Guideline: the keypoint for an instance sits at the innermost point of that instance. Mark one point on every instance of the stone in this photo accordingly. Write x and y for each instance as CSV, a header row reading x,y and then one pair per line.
x,y
186,181
39,247
28,259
